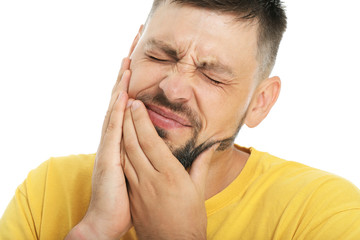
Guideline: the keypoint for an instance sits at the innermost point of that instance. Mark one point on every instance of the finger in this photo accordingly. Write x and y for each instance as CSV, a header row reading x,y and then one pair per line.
x,y
129,171
107,155
113,130
132,147
151,143
125,65
124,83
116,90
200,168
122,155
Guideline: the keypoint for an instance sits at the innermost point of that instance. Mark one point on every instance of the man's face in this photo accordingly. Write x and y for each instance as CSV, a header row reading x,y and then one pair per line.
x,y
194,71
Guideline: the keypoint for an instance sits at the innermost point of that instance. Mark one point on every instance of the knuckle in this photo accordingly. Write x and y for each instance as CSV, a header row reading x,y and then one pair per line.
x,y
111,127
168,177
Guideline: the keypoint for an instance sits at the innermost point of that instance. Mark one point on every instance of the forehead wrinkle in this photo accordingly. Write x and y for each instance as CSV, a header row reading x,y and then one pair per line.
x,y
208,65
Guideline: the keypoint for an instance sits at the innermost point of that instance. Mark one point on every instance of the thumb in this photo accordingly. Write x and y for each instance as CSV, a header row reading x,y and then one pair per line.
x,y
200,168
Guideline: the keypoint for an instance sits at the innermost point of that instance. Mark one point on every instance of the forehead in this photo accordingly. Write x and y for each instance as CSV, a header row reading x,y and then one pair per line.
x,y
203,33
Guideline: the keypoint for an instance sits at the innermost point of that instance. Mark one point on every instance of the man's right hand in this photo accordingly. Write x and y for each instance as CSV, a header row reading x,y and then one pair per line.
x,y
108,215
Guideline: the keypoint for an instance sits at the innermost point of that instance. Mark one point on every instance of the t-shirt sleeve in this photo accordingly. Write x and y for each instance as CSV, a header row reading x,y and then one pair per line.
x,y
333,212
22,218
343,225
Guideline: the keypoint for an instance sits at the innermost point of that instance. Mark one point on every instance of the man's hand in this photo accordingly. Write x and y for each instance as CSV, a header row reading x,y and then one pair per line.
x,y
166,201
108,215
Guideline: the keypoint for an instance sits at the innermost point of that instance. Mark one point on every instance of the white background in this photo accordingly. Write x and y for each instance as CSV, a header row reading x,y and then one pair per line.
x,y
59,61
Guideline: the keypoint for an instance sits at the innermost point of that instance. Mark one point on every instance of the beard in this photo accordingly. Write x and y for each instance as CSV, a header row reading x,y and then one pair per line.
x,y
187,153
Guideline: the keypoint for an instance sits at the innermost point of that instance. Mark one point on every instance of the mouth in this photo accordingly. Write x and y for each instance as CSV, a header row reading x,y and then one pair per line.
x,y
165,118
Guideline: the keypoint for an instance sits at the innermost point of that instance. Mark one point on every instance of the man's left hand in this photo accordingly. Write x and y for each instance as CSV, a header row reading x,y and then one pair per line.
x,y
166,201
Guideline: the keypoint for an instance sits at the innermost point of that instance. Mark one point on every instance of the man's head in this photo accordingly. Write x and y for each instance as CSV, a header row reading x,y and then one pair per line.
x,y
201,68
268,15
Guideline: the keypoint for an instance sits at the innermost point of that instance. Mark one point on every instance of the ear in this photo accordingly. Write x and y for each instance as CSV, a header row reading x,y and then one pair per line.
x,y
136,40
263,100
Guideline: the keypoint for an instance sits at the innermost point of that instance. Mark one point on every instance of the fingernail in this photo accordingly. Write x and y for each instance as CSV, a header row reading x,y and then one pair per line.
x,y
129,103
123,76
135,105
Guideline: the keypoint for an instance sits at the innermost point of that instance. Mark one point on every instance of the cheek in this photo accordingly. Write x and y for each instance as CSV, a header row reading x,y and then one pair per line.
x,y
144,75
224,112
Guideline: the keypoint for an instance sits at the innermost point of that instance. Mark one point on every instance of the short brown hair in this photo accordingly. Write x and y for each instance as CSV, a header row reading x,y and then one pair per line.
x,y
268,14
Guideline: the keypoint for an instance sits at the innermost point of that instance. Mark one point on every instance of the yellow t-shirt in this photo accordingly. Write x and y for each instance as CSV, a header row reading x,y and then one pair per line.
x,y
270,199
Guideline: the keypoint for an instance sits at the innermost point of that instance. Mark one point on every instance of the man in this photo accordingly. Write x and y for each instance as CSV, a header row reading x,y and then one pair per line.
x,y
166,166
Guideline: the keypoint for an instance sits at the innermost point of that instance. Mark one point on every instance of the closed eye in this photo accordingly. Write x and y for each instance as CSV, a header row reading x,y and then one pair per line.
x,y
212,80
157,59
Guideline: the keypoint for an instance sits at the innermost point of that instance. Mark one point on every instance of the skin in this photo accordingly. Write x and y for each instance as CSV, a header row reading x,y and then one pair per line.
x,y
163,200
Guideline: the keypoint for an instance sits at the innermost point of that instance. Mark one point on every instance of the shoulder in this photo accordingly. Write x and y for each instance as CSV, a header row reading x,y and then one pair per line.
x,y
79,164
291,172
57,191
279,178
317,191
60,173
79,161
64,167
71,173
323,205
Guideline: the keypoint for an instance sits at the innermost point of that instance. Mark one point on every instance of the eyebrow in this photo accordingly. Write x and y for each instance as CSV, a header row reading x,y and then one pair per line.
x,y
165,47
217,67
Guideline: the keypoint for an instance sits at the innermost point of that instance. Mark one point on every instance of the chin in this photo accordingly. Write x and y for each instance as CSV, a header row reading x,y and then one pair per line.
x,y
174,139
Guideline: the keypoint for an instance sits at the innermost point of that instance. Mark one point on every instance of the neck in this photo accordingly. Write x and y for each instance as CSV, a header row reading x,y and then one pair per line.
x,y
224,168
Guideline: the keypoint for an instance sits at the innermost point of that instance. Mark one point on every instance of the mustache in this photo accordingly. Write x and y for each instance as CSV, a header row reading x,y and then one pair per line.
x,y
181,108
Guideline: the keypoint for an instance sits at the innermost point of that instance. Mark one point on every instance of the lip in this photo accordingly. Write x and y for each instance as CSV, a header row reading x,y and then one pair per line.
x,y
165,118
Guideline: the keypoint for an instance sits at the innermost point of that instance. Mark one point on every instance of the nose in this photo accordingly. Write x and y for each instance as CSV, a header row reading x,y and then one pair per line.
x,y
177,86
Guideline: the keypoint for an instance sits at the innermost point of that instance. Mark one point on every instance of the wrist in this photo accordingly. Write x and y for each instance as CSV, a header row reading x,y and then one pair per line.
x,y
83,231
88,229
78,233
